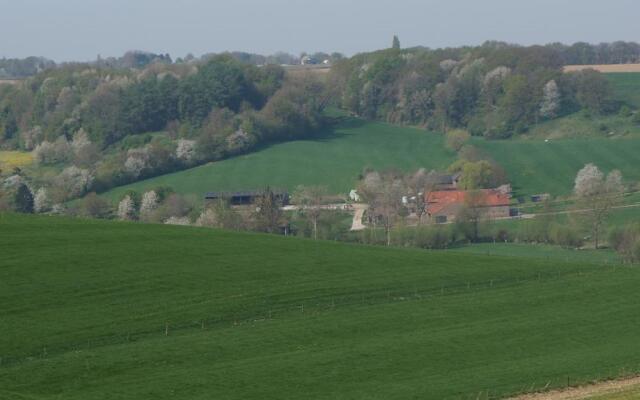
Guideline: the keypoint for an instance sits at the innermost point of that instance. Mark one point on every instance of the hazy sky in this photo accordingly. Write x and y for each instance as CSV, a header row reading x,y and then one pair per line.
x,y
81,29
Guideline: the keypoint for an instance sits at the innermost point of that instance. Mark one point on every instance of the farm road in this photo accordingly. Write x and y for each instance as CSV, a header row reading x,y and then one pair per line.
x,y
584,392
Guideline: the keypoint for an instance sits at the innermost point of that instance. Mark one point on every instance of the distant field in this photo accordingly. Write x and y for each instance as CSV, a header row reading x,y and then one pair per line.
x,y
536,166
626,87
543,252
10,81
606,68
108,310
11,159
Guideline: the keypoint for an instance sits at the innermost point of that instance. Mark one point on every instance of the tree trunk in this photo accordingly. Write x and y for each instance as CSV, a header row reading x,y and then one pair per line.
x,y
388,235
315,229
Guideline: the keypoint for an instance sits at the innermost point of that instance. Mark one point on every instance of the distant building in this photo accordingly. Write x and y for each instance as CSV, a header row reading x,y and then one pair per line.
x,y
447,181
308,60
537,198
354,196
444,206
247,197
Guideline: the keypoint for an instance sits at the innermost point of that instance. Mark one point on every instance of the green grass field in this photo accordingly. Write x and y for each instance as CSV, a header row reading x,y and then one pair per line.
x,y
108,310
540,251
335,161
626,87
532,165
541,167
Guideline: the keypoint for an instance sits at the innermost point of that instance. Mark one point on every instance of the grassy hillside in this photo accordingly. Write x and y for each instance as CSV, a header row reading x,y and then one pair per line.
x,y
11,159
626,87
533,166
538,166
106,310
334,161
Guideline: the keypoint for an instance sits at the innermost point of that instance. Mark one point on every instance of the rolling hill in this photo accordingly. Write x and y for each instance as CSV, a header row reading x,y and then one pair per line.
x,y
108,310
533,166
336,160
626,87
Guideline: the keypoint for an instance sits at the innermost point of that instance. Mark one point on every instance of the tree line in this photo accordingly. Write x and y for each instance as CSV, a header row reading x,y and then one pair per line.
x,y
493,90
117,126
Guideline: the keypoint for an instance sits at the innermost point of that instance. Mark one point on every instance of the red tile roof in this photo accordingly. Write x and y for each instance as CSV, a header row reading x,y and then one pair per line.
x,y
438,201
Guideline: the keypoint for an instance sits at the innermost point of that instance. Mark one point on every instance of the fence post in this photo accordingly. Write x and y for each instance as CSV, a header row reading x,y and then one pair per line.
x,y
166,329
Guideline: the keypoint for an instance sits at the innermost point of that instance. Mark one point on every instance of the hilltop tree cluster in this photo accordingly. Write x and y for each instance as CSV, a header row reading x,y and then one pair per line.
x,y
106,126
494,90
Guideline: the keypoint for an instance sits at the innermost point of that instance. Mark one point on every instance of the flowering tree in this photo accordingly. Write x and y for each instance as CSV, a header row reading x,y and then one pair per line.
x,y
126,208
73,182
41,201
550,100
137,161
186,150
597,194
178,221
150,201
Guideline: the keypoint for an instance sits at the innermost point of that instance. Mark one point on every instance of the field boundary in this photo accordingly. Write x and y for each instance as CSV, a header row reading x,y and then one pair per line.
x,y
584,392
270,308
604,68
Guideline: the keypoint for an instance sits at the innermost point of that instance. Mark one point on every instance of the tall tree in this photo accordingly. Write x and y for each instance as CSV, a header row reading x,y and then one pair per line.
x,y
268,214
597,196
23,199
550,100
383,193
396,42
309,199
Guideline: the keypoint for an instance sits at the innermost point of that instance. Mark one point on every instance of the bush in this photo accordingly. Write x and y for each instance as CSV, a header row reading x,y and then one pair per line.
x,y
565,236
436,237
456,138
93,206
626,241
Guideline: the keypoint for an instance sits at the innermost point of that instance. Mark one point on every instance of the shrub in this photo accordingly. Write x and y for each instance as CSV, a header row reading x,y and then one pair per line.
x,y
93,206
565,236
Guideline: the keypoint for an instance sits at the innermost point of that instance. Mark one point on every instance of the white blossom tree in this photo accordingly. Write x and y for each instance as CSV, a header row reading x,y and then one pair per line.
x,y
597,194
550,100
150,201
186,150
73,182
41,201
51,153
137,161
126,208
383,193
208,219
178,221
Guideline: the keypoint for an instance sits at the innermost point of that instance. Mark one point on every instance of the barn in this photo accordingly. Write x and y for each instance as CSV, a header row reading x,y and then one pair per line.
x,y
247,197
444,206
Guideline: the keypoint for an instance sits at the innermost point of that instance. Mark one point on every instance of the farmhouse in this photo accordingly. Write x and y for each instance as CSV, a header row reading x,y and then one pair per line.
x,y
444,206
447,181
247,197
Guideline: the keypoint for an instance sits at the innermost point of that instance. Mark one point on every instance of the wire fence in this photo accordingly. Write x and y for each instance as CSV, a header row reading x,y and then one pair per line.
x,y
265,308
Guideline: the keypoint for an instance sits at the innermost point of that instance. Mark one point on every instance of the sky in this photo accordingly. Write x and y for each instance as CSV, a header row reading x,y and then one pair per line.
x,y
79,30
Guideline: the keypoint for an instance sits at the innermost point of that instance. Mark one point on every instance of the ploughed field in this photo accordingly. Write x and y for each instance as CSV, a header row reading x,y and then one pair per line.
x,y
109,310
